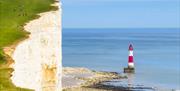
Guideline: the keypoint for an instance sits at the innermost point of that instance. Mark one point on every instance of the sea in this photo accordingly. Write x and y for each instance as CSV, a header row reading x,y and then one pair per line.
x,y
156,53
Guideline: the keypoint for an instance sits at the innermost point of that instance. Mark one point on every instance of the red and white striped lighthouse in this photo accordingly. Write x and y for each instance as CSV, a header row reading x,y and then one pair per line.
x,y
130,58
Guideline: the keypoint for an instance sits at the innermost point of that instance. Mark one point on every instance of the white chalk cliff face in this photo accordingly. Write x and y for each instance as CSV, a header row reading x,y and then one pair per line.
x,y
38,59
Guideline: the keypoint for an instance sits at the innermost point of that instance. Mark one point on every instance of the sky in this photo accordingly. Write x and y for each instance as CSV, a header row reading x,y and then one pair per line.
x,y
121,13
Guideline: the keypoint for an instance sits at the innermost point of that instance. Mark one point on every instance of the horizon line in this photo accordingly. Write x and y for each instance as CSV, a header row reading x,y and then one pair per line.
x,y
121,28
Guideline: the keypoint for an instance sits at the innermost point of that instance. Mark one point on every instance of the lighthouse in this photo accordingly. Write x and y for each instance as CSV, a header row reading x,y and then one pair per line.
x,y
130,68
130,58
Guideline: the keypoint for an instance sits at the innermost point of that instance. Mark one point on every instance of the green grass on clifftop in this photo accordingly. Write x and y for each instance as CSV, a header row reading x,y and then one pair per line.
x,y
13,16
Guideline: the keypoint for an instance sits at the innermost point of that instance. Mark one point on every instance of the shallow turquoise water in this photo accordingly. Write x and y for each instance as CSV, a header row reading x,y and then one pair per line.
x,y
156,53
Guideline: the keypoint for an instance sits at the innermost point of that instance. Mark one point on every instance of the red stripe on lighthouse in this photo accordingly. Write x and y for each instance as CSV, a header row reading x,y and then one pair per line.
x,y
130,59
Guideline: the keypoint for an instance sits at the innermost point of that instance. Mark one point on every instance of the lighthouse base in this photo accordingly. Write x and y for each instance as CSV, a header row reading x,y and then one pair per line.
x,y
129,70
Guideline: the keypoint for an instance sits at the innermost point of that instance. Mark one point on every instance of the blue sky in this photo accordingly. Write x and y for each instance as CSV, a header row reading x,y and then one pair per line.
x,y
121,13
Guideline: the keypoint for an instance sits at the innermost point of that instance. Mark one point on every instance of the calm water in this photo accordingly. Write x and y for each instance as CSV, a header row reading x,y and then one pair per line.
x,y
156,53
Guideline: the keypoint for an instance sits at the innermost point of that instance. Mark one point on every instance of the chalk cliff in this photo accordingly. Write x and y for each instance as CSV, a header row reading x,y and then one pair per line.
x,y
38,59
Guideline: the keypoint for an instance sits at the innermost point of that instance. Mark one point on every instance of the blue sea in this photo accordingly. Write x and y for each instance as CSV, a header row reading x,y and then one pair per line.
x,y
156,53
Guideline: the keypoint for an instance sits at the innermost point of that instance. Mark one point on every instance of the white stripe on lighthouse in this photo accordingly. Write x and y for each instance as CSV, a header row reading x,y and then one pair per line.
x,y
130,53
131,65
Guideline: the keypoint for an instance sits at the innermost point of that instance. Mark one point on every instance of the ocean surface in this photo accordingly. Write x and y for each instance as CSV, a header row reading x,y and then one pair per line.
x,y
156,53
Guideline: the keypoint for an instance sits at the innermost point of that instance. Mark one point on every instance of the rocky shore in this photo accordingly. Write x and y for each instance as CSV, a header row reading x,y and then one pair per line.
x,y
77,79
83,79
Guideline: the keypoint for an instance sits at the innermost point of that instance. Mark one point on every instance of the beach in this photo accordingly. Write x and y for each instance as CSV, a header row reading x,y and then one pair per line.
x,y
83,79
37,59
77,79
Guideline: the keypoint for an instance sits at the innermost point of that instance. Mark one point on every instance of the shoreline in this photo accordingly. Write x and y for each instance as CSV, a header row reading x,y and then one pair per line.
x,y
83,79
79,78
